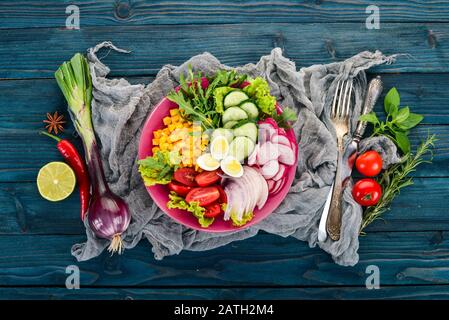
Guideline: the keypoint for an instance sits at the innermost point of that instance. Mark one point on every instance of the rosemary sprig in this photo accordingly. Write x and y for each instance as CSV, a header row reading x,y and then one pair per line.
x,y
397,177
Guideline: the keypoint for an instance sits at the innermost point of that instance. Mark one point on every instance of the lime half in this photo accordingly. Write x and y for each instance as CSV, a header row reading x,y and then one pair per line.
x,y
56,181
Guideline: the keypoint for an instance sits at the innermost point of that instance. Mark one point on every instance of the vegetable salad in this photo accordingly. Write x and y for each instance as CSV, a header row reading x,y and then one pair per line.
x,y
224,150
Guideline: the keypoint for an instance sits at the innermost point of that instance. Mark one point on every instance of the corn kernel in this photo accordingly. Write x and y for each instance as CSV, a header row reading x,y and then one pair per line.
x,y
155,149
157,134
175,118
172,127
155,142
167,121
179,125
174,112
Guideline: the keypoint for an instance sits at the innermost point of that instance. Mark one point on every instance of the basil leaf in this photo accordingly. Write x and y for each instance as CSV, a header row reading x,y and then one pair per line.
x,y
402,141
369,117
392,101
402,115
412,121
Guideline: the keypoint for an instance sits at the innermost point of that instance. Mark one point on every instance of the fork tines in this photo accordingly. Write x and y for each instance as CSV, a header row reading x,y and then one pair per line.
x,y
342,99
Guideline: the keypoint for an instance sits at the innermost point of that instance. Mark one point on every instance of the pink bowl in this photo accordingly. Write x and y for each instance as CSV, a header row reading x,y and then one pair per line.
x,y
159,193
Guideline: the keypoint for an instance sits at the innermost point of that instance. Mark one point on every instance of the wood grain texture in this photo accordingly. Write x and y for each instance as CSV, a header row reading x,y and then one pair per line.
x,y
404,258
25,212
51,13
36,53
339,293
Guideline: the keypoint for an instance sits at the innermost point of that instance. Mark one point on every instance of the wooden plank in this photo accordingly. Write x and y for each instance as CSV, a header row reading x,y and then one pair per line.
x,y
36,53
24,151
403,258
340,293
51,13
418,208
424,93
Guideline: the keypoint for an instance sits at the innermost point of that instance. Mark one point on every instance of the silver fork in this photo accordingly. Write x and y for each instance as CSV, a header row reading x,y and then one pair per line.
x,y
340,120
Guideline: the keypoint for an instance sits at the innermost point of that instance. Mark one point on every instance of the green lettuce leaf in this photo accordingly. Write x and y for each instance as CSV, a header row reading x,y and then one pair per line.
x,y
177,202
247,217
219,95
159,168
259,91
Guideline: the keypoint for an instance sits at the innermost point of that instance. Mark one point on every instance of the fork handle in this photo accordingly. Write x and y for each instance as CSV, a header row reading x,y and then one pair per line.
x,y
333,223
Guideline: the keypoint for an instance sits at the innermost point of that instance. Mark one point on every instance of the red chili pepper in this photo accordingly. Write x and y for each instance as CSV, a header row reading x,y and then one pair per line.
x,y
76,162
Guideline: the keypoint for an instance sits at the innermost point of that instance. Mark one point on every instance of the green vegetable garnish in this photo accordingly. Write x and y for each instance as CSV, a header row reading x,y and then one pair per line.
x,y
397,177
284,119
177,202
199,104
159,168
397,123
259,91
247,217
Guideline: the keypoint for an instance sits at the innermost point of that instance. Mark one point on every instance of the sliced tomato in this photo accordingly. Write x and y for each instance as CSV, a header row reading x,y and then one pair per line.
x,y
212,210
223,197
186,176
203,196
207,178
180,189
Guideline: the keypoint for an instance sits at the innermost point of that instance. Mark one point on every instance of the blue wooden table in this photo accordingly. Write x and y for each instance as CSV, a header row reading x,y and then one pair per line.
x,y
411,248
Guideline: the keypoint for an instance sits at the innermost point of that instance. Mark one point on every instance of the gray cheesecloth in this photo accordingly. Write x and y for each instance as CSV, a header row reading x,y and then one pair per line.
x,y
119,110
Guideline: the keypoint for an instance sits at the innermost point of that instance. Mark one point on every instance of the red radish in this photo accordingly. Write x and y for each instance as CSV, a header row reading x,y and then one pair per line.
x,y
252,159
280,139
270,169
281,173
286,155
267,152
278,186
271,121
282,132
271,184
266,131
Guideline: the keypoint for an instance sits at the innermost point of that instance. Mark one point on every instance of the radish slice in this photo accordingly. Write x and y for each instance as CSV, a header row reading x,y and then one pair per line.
x,y
281,173
281,140
272,122
267,152
286,155
252,159
278,186
266,131
271,184
282,132
270,169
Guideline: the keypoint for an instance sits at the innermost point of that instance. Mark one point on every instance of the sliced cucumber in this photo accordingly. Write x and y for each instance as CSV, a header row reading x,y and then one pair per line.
x,y
234,114
230,124
234,98
227,133
241,148
250,108
247,130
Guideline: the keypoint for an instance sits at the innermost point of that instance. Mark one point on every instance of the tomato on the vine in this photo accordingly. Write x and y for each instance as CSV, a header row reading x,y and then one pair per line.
x,y
369,163
367,192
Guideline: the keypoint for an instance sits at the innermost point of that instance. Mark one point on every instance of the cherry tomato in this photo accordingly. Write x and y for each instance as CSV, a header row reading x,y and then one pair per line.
x,y
206,178
186,176
367,192
223,197
369,163
212,210
203,196
180,189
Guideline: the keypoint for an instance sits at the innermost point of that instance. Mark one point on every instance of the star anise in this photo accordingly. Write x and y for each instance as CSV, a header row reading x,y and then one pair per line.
x,y
54,122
